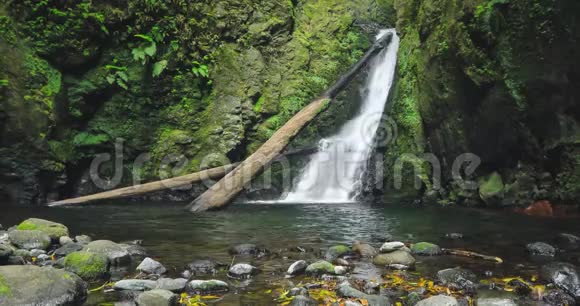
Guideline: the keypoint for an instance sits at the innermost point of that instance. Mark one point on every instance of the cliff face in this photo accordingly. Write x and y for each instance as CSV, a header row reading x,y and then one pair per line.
x,y
176,80
179,81
496,78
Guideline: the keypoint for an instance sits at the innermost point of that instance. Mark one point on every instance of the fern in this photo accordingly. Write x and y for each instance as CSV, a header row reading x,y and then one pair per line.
x,y
159,67
86,139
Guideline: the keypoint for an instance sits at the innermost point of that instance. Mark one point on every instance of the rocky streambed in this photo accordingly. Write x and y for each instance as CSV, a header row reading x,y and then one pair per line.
x,y
43,263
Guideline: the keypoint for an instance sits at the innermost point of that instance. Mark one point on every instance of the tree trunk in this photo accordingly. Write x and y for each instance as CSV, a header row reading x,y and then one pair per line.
x,y
175,182
223,192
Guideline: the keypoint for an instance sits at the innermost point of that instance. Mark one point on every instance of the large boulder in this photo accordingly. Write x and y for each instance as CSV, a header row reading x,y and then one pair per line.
x,y
157,297
30,239
40,286
202,266
89,266
564,276
52,229
117,254
439,300
395,258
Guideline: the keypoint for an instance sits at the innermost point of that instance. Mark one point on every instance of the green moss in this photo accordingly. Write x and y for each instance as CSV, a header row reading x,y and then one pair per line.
x,y
320,267
425,248
5,290
52,229
88,266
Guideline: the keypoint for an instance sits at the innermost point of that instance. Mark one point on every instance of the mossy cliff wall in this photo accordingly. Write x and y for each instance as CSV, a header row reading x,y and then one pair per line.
x,y
175,79
497,78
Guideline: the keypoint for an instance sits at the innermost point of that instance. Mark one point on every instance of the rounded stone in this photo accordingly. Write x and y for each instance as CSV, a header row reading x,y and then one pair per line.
x,y
116,253
425,249
157,297
89,266
297,267
52,229
206,286
30,239
399,257
151,266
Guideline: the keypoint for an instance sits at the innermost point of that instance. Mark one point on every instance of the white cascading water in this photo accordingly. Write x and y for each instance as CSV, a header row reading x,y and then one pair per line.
x,y
335,173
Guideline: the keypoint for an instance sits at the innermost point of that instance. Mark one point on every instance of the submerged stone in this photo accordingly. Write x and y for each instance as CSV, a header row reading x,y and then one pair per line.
x,y
157,297
425,249
206,286
203,266
459,279
52,229
399,257
438,300
336,251
541,249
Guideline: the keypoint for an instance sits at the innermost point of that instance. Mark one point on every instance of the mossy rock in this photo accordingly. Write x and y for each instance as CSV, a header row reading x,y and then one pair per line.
x,y
320,267
89,266
52,229
491,188
336,251
425,249
5,290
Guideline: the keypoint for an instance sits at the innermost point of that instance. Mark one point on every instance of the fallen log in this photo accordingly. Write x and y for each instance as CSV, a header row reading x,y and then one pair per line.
x,y
224,191
180,181
213,173
470,254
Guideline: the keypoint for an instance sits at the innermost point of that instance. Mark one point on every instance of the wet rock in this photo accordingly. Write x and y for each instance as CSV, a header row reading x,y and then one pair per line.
x,y
5,252
302,300
564,276
454,236
389,247
296,291
495,302
568,241
412,299
458,279
15,260
89,266
37,252
342,262
52,229
29,239
173,285
42,286
116,253
340,270
206,286
336,251
398,267
372,287
135,284
83,239
4,238
363,249
329,277
67,249
65,240
559,298
23,253
347,291
297,267
438,300
394,258
151,266
136,252
320,267
202,266
247,249
541,249
157,297
242,271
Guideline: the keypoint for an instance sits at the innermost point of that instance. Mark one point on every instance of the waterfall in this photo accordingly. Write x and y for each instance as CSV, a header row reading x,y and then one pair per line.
x,y
335,173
